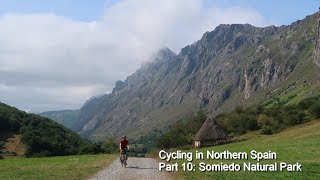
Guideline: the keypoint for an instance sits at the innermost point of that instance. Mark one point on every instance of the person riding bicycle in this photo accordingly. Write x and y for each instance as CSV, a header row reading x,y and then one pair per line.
x,y
124,146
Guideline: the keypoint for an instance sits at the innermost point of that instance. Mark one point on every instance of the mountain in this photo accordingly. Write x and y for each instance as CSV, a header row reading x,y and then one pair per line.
x,y
35,135
67,118
317,46
233,65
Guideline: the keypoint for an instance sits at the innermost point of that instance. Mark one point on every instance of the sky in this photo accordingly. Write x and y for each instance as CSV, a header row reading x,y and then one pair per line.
x,y
56,54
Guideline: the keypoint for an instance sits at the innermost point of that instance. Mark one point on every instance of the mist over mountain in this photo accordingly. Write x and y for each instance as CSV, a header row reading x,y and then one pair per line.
x,y
233,65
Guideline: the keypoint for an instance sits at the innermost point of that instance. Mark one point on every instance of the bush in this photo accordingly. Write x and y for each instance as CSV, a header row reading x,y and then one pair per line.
x,y
263,120
110,146
239,109
259,109
92,148
266,129
292,115
39,154
315,109
2,143
242,122
308,102
251,123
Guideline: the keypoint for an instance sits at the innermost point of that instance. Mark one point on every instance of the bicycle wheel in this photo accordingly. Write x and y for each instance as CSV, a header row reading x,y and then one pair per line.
x,y
121,160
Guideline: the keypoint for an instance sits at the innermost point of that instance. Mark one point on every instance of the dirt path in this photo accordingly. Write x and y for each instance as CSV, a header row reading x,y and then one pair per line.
x,y
137,168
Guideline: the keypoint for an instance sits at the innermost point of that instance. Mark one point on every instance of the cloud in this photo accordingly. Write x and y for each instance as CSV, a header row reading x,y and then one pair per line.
x,y
49,62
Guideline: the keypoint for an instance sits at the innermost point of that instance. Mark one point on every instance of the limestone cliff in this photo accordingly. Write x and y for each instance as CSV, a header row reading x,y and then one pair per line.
x,y
233,65
317,45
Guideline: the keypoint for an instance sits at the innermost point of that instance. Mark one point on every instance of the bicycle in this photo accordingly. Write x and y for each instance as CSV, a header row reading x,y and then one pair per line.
x,y
124,157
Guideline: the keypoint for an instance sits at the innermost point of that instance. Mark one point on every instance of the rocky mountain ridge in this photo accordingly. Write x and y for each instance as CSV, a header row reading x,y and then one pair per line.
x,y
233,65
317,45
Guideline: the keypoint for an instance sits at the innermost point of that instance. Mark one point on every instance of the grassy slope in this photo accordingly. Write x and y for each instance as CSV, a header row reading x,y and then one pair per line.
x,y
64,167
297,144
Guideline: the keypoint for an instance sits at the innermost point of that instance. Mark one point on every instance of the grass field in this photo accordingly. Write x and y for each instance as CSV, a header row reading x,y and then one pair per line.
x,y
297,144
64,167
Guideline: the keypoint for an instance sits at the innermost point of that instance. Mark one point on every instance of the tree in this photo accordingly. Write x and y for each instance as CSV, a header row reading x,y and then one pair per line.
x,y
264,120
315,109
110,146
308,102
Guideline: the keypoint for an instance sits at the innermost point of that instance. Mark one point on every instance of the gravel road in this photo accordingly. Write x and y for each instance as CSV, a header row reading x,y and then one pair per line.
x,y
137,168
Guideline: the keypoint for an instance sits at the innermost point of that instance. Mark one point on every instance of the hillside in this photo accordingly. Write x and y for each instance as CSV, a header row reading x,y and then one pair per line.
x,y
67,118
33,135
296,144
233,65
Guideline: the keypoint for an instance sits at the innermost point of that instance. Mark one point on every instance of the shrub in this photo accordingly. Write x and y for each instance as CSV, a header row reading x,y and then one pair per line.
x,y
38,154
110,146
92,148
266,129
2,144
308,102
264,120
237,123
259,109
251,123
315,109
239,109
292,115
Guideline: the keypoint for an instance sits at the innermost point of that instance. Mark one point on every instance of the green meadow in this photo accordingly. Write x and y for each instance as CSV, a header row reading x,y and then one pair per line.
x,y
297,144
62,167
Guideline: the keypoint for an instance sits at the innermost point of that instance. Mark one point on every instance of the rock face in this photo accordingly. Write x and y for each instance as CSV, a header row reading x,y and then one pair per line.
x,y
317,46
233,65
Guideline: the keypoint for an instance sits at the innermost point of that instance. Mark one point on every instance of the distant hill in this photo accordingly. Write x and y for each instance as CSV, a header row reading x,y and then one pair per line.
x,y
40,136
233,65
68,118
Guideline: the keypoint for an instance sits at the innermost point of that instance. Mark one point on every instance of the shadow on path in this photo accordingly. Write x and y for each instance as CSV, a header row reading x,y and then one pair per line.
x,y
136,167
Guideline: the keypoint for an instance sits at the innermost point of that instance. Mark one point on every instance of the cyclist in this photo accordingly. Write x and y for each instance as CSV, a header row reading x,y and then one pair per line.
x,y
124,146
